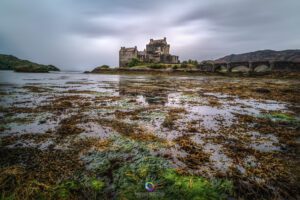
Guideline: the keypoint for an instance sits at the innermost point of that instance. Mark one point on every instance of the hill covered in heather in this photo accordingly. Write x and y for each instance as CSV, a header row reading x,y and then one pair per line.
x,y
9,62
263,55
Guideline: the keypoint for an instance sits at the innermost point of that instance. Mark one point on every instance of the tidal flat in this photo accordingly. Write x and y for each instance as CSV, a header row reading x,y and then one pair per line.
x,y
92,136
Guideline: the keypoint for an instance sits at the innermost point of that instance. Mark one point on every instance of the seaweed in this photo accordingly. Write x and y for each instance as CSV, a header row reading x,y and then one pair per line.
x,y
173,115
163,139
131,165
68,126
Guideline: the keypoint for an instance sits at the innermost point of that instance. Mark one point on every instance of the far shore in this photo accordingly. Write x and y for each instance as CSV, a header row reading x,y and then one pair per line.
x,y
273,74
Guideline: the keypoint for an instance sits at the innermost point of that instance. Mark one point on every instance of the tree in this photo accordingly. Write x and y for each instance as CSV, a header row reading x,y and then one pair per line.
x,y
133,62
104,67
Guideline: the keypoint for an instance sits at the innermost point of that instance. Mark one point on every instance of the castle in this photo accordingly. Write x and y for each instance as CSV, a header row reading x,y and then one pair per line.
x,y
157,51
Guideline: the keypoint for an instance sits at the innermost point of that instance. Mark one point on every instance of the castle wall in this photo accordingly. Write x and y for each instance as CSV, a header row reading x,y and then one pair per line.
x,y
157,51
169,59
126,55
157,48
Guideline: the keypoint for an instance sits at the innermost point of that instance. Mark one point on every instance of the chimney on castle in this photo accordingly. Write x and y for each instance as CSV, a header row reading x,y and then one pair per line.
x,y
165,39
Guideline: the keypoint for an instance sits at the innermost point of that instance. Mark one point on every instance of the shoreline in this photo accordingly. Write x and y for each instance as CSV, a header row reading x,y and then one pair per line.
x,y
196,72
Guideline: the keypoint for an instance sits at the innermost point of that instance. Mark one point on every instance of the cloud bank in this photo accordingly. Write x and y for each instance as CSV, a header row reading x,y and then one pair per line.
x,y
78,35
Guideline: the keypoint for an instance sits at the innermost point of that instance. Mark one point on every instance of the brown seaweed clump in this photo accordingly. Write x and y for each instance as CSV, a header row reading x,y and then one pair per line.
x,y
68,126
173,115
196,156
32,174
133,131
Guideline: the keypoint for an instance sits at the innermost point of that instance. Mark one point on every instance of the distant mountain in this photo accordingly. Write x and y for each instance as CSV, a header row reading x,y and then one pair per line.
x,y
9,62
263,55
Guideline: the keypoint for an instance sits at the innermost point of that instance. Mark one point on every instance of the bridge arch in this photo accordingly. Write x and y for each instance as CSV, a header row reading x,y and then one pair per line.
x,y
236,65
240,68
220,67
261,66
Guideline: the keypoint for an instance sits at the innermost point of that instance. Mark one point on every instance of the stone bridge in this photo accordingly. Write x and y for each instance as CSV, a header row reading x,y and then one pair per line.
x,y
251,66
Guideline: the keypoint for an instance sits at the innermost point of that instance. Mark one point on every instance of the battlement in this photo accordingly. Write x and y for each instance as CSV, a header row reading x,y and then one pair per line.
x,y
129,48
158,41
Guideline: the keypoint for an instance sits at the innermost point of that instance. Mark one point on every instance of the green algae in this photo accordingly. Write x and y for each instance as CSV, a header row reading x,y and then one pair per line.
x,y
4,127
64,190
281,117
97,184
153,115
3,109
129,164
195,187
89,188
17,120
125,104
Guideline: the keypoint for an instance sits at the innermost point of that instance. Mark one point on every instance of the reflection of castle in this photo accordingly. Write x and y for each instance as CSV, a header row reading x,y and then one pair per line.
x,y
151,95
157,51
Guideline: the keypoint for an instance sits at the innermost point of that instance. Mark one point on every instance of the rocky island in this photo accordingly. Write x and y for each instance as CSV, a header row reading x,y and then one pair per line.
x,y
157,59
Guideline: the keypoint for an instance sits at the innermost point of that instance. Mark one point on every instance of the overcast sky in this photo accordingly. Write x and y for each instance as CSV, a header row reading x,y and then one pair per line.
x,y
81,34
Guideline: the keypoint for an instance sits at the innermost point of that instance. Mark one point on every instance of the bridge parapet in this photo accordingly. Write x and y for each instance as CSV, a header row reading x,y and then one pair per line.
x,y
251,65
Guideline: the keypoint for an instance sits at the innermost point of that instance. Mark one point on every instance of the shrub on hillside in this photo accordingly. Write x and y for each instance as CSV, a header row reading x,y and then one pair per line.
x,y
156,66
193,62
190,62
31,68
104,67
133,62
184,65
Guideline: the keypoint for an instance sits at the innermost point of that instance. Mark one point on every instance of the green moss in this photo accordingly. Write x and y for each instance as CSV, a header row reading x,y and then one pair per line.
x,y
18,120
132,177
194,187
3,127
157,66
7,198
96,184
3,109
129,165
154,115
134,62
64,190
281,117
169,184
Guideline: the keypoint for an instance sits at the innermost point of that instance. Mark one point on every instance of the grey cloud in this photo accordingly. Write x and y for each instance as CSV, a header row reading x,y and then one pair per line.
x,y
75,34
